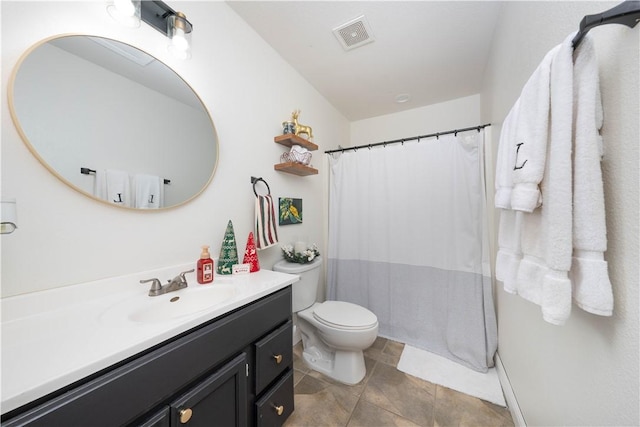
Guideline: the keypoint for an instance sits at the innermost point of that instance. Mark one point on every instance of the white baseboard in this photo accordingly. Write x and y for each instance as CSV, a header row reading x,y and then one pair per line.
x,y
509,396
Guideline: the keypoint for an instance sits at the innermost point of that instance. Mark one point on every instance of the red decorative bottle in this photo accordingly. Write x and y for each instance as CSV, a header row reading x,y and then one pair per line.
x,y
205,267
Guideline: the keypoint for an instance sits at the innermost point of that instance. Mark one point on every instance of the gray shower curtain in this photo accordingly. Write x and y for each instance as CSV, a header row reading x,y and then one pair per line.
x,y
408,240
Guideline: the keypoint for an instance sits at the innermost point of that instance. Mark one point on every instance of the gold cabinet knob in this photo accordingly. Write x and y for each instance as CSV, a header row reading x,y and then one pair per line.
x,y
279,409
185,415
278,358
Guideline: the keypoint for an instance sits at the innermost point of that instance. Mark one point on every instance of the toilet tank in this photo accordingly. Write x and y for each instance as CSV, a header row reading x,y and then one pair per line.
x,y
305,290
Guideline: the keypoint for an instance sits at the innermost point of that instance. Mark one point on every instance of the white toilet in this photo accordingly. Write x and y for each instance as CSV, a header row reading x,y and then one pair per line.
x,y
334,333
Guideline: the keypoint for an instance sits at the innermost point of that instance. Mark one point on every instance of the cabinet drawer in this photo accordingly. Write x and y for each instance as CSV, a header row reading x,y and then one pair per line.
x,y
276,405
221,399
274,354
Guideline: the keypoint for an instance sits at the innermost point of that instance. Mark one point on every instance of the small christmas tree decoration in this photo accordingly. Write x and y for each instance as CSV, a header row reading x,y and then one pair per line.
x,y
228,251
251,254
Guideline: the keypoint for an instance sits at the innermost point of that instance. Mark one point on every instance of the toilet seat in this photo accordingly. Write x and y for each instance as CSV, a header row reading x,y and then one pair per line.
x,y
344,315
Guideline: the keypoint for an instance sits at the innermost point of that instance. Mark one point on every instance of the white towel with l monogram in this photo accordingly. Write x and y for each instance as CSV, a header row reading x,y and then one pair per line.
x,y
149,191
113,186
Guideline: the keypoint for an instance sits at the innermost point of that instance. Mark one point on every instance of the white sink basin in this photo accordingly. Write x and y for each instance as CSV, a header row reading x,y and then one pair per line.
x,y
182,303
172,305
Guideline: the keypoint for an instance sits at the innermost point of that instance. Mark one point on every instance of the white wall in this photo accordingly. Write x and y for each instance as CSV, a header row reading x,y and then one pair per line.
x,y
65,238
450,115
586,372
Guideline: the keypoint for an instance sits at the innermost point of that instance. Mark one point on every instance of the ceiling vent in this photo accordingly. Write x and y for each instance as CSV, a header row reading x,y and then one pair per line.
x,y
354,33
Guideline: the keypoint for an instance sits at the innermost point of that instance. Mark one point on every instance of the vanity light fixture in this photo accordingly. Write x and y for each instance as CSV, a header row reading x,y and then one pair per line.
x,y
9,221
179,31
172,24
126,12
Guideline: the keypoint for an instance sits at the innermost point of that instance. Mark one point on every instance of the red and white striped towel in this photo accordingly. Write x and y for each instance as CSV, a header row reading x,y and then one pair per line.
x,y
266,234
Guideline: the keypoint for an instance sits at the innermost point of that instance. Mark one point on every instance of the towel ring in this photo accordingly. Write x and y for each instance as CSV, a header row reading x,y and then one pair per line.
x,y
255,180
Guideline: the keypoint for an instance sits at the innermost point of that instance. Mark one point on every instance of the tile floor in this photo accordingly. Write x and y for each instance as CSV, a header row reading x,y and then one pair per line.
x,y
385,397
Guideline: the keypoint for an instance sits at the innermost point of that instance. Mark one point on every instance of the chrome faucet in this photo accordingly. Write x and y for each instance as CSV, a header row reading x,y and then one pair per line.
x,y
178,282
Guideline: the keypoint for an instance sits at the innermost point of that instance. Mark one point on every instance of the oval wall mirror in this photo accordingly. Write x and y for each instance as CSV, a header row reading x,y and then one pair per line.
x,y
98,113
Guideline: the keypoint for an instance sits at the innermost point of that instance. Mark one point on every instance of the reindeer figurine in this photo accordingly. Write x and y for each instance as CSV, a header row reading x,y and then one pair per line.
x,y
298,128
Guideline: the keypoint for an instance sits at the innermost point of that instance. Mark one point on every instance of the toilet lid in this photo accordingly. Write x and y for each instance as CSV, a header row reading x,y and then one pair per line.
x,y
344,315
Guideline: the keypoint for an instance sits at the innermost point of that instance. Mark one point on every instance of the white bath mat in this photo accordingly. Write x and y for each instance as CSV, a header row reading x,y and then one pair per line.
x,y
442,371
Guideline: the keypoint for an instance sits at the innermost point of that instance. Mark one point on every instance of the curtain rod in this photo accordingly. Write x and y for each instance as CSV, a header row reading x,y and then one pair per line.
x,y
403,140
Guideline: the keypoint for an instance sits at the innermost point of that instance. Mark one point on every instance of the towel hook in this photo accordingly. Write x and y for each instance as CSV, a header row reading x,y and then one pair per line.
x,y
255,180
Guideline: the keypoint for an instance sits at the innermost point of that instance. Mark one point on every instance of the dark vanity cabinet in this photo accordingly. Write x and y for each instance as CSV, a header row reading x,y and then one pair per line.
x,y
219,399
236,370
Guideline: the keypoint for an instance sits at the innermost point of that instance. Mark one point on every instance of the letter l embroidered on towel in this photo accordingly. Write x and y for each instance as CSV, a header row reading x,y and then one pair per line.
x,y
114,187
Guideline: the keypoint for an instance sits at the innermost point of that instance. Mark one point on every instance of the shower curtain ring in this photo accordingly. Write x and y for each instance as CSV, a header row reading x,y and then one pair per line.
x,y
438,136
455,133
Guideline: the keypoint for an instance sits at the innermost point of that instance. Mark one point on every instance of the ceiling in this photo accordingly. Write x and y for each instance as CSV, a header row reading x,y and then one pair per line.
x,y
433,51
130,63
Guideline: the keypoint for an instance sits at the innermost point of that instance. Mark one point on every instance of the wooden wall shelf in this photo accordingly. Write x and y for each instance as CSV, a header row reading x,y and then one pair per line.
x,y
295,168
290,139
299,169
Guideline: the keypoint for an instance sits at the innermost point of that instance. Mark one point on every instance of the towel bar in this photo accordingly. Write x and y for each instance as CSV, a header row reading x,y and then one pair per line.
x,y
87,171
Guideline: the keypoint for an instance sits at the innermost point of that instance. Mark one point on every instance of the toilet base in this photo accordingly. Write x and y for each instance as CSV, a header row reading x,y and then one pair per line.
x,y
297,336
344,366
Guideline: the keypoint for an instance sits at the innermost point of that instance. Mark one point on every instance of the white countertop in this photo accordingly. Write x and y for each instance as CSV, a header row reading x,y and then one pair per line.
x,y
52,338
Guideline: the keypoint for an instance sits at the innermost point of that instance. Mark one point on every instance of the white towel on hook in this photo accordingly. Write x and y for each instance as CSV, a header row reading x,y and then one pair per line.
x,y
509,249
520,168
509,253
148,191
558,195
531,137
563,241
506,159
589,273
547,232
113,186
